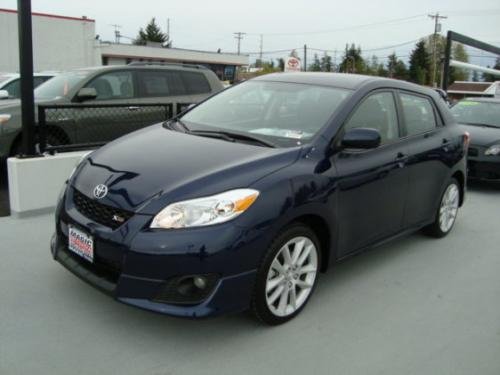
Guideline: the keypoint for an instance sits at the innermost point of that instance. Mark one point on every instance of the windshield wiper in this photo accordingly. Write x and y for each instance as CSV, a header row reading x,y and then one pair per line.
x,y
481,124
232,137
169,124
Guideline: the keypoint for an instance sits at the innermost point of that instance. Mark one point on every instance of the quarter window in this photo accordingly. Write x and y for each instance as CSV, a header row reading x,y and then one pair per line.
x,y
418,113
196,83
161,83
377,112
114,85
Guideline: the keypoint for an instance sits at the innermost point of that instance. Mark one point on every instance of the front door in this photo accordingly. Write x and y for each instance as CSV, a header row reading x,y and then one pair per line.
x,y
372,184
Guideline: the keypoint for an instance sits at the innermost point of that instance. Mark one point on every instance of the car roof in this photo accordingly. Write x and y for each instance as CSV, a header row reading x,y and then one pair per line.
x,y
340,80
483,100
167,66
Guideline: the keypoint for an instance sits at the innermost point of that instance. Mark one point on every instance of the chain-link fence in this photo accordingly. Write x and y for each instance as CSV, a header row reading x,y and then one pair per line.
x,y
75,126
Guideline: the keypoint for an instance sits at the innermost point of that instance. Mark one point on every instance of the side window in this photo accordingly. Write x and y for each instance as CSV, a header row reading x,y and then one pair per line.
x,y
418,113
161,83
37,81
196,83
14,88
113,85
378,111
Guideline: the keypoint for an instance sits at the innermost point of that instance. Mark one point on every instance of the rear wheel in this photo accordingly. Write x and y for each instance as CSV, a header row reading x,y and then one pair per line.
x,y
287,276
447,211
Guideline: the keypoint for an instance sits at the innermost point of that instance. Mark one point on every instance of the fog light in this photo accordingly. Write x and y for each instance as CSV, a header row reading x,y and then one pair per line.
x,y
190,289
200,282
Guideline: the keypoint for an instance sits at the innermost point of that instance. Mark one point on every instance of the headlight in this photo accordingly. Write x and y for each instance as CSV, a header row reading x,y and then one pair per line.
x,y
205,211
493,150
4,118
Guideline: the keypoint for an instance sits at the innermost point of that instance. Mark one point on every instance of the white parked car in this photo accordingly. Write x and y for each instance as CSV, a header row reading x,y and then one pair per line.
x,y
10,83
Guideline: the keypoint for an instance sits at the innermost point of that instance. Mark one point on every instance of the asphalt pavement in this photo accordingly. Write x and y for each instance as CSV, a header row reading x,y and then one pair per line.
x,y
415,306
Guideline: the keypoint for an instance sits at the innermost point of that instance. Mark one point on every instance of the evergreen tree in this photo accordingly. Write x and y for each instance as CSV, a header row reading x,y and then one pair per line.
x,y
326,63
420,67
281,64
352,61
152,33
396,68
316,65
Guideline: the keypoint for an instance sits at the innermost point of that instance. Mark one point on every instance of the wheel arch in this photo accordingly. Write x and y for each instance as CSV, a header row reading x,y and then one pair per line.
x,y
320,227
460,177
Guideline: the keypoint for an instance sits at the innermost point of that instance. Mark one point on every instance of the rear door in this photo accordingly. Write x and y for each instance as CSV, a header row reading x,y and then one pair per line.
x,y
372,183
164,86
428,146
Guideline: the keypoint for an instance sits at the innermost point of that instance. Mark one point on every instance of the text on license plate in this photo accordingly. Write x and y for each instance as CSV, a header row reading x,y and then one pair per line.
x,y
81,243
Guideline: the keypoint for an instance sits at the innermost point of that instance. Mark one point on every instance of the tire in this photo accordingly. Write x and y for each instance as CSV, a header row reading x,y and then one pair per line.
x,y
447,211
289,283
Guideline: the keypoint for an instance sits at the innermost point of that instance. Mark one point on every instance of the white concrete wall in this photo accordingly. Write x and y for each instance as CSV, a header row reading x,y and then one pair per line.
x,y
34,184
58,43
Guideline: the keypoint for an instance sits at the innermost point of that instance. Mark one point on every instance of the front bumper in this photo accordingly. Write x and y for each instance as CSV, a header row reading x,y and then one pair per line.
x,y
483,167
134,265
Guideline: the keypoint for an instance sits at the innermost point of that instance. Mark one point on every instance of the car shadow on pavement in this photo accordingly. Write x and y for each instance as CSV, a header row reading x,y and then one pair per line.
x,y
484,186
228,327
4,190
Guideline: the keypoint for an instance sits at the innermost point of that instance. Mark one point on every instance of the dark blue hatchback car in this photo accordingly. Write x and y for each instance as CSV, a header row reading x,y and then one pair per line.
x,y
242,201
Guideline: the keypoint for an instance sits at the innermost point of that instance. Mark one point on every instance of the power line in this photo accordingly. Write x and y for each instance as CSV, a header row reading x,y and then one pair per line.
x,y
395,20
239,35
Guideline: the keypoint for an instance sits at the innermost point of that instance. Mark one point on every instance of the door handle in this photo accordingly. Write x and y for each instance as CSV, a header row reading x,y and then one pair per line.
x,y
401,156
133,108
401,159
446,141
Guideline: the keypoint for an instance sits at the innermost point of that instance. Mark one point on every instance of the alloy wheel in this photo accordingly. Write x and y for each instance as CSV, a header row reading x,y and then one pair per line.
x,y
449,208
291,276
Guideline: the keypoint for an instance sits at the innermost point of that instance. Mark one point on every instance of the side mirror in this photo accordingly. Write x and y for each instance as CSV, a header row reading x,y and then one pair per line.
x,y
4,94
86,93
363,138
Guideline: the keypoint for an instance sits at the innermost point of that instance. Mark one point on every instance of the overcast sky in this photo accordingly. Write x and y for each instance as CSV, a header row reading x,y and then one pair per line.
x,y
209,25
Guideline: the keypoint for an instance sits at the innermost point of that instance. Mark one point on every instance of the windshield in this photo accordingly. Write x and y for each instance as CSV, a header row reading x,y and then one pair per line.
x,y
286,114
477,113
60,85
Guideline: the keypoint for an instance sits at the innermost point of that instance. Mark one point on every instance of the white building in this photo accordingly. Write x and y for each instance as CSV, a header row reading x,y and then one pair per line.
x,y
59,43
63,43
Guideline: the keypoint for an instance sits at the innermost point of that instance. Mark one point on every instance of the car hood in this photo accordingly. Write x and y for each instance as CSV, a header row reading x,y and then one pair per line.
x,y
146,170
482,135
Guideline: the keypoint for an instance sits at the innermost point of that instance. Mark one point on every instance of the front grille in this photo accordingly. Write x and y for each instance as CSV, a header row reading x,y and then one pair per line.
x,y
473,151
100,213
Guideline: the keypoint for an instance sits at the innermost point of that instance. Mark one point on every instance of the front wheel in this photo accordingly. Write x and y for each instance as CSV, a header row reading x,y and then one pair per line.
x,y
447,211
287,276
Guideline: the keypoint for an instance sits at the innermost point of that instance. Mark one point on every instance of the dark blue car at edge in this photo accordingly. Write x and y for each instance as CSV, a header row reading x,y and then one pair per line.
x,y
242,201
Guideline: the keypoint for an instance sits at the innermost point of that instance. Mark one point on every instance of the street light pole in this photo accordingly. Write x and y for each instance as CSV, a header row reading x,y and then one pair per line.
x,y
26,69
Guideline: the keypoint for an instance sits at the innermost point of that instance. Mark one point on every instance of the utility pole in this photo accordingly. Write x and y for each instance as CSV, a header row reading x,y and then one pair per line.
x,y
305,57
437,28
260,47
239,35
117,32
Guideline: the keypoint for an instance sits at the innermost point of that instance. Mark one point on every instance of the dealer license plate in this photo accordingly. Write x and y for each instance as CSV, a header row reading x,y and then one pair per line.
x,y
81,243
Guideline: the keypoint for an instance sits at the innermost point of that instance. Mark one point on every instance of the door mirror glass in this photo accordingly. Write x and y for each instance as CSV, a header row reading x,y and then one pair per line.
x,y
86,93
361,138
4,94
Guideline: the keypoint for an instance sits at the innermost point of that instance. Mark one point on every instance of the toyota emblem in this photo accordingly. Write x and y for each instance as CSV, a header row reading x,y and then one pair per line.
x,y
100,191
